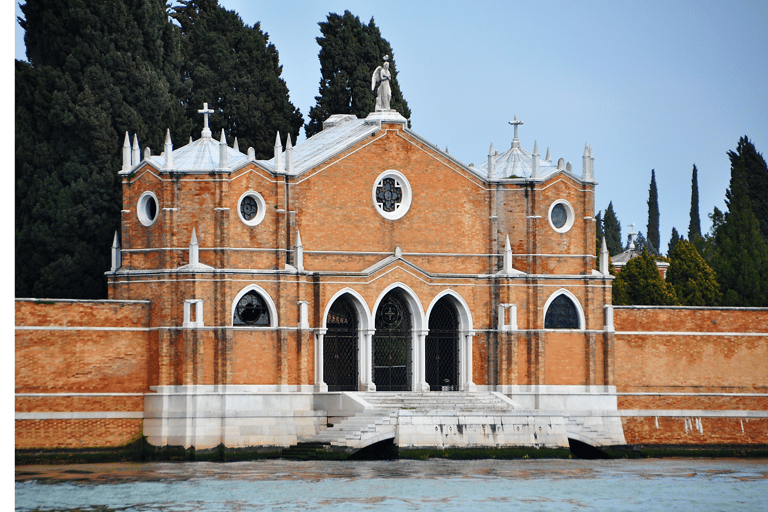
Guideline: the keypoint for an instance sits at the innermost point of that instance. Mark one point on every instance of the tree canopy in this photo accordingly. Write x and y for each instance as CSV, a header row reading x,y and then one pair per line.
x,y
350,51
612,231
234,69
639,283
756,179
695,283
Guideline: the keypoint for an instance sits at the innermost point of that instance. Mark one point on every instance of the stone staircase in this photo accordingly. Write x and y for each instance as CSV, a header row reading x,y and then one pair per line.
x,y
593,430
478,402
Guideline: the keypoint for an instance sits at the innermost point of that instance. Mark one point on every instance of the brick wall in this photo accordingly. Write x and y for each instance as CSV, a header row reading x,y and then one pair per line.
x,y
87,359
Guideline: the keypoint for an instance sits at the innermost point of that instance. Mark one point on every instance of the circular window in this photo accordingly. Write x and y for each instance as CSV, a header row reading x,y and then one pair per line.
x,y
561,216
391,195
251,208
147,208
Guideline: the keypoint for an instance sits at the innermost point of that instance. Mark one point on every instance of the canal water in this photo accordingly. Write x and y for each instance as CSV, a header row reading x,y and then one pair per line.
x,y
650,484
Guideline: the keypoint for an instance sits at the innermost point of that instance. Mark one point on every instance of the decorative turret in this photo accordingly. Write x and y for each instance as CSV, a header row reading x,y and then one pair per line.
x,y
587,171
223,150
278,154
116,254
127,153
289,155
536,162
604,259
299,252
135,152
491,164
168,150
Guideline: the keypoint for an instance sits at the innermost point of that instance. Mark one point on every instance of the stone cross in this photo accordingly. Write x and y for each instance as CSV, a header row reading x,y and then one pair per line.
x,y
632,237
515,123
206,111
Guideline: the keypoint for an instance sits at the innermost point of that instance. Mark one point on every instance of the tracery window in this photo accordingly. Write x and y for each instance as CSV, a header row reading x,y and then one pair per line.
x,y
389,194
251,309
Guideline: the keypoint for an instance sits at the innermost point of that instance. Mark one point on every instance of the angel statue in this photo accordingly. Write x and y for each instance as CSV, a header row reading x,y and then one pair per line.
x,y
381,78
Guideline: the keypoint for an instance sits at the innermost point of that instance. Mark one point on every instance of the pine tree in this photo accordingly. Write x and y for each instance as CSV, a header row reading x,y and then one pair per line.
x,y
756,177
639,283
694,281
653,215
673,241
739,253
612,230
97,69
350,52
234,69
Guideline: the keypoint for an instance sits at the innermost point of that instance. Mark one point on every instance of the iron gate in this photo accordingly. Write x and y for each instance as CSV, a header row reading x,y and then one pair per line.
x,y
441,348
340,347
391,345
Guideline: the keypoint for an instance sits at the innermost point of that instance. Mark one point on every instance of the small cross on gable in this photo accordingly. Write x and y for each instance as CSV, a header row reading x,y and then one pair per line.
x,y
206,112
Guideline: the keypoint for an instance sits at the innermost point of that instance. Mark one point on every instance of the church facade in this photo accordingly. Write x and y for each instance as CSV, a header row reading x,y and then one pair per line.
x,y
262,301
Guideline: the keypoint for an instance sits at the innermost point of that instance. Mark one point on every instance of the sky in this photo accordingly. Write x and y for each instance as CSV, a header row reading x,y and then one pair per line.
x,y
649,85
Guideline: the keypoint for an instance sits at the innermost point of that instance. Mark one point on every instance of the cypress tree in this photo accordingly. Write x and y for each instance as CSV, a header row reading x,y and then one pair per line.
x,y
97,69
694,281
234,69
694,226
756,178
739,253
673,241
612,230
598,237
653,215
350,51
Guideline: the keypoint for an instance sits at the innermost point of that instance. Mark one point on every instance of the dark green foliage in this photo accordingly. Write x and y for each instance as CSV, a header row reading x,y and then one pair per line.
x,y
639,283
612,231
673,241
756,178
234,69
97,69
739,254
350,51
694,281
653,215
694,225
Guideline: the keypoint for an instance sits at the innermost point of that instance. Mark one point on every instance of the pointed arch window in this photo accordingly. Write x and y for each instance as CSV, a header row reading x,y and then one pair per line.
x,y
252,309
562,314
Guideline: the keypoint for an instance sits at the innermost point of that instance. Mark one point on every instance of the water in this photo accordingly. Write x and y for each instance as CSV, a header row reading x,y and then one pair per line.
x,y
668,484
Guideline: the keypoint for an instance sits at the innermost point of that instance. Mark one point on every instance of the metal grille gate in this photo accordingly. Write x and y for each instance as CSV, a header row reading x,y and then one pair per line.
x,y
441,348
391,345
340,347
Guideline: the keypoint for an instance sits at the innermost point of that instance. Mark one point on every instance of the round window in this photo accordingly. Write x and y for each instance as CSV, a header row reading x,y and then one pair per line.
x,y
391,195
561,216
251,208
147,208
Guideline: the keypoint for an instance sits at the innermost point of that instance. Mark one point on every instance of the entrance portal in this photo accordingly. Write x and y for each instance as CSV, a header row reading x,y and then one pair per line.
x,y
392,344
441,348
340,346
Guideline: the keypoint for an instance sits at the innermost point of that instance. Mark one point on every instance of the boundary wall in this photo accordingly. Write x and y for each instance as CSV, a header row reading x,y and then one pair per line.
x,y
82,370
692,375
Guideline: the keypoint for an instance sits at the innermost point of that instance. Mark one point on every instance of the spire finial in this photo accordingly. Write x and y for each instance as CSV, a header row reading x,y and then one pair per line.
x,y
604,258
135,151
168,150
194,249
127,153
206,111
223,151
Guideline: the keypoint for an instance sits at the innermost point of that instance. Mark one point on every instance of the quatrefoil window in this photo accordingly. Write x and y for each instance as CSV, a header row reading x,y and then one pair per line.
x,y
391,195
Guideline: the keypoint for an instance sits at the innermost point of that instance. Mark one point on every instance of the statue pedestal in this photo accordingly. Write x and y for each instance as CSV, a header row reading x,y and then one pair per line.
x,y
386,116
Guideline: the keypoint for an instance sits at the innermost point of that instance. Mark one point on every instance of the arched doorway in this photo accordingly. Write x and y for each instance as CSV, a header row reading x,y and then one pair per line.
x,y
441,347
392,344
340,346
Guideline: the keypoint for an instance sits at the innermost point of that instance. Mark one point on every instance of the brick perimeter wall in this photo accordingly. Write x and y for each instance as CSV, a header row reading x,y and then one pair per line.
x,y
80,357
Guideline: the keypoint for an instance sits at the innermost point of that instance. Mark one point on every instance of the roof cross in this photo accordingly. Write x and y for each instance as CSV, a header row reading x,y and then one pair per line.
x,y
206,111
515,123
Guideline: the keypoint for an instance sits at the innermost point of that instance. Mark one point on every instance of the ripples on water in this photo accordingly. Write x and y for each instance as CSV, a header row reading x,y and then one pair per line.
x,y
669,484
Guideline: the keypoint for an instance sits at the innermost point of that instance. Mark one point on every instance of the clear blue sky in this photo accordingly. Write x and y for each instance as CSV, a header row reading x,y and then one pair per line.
x,y
649,85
